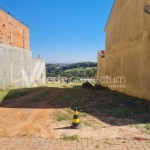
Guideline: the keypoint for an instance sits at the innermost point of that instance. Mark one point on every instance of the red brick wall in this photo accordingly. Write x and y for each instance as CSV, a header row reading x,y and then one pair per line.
x,y
12,32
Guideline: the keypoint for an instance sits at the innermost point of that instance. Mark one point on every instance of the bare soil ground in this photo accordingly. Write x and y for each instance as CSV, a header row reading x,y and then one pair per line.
x,y
48,112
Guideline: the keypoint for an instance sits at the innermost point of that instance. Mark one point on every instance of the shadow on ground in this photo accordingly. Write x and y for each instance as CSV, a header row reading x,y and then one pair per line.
x,y
99,103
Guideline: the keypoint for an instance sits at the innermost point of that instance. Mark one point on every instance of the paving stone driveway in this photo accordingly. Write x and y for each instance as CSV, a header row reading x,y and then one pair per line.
x,y
83,144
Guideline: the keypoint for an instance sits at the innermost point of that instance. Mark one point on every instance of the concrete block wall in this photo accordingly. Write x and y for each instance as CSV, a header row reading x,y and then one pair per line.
x,y
13,32
12,61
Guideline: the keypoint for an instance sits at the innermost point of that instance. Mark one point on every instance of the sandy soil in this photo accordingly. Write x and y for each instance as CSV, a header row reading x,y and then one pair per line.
x,y
41,123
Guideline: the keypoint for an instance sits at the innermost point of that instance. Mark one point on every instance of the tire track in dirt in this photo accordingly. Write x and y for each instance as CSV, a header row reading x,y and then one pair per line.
x,y
50,101
20,100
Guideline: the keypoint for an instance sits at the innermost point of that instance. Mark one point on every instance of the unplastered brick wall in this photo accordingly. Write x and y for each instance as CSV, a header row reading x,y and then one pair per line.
x,y
13,32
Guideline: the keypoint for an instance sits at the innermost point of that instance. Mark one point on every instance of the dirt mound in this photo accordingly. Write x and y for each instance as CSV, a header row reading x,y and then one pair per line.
x,y
87,85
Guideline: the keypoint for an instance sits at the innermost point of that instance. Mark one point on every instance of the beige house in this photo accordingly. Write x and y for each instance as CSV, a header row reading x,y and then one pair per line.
x,y
125,64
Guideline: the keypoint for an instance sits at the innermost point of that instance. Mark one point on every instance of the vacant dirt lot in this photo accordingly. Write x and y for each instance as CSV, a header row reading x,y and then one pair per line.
x,y
47,112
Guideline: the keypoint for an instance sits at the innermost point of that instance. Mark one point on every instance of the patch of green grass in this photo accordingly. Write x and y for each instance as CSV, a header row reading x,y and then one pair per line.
x,y
82,114
123,141
25,134
60,116
42,96
3,94
22,134
86,123
135,125
97,146
146,131
106,142
147,126
70,112
71,138
16,93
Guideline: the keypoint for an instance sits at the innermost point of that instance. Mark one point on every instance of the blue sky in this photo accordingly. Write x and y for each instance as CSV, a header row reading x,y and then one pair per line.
x,y
63,31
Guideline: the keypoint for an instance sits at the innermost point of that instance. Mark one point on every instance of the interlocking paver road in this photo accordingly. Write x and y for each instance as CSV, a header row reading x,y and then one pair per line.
x,y
83,144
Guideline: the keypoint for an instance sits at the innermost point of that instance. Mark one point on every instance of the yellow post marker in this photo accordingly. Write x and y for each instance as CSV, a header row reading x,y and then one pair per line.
x,y
76,120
